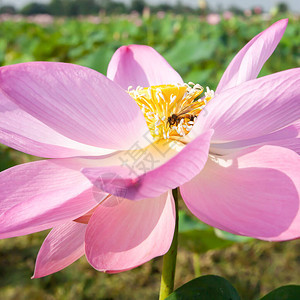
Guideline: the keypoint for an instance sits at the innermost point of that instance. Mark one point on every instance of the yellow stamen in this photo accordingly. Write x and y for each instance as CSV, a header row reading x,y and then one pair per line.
x,y
171,110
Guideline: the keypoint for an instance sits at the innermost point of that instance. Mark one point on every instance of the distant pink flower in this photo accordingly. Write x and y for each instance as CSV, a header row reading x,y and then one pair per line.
x,y
41,19
160,14
213,19
248,12
227,15
257,10
235,159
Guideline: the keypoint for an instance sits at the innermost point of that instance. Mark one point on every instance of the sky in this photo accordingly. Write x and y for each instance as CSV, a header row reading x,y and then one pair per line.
x,y
294,5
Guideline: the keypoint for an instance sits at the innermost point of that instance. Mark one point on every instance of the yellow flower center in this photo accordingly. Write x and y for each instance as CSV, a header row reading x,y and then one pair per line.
x,y
171,110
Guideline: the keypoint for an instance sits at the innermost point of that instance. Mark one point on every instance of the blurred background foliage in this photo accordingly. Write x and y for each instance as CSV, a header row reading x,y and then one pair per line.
x,y
198,50
199,44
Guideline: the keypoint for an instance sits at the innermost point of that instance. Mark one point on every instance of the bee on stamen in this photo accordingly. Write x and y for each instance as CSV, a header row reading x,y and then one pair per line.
x,y
175,119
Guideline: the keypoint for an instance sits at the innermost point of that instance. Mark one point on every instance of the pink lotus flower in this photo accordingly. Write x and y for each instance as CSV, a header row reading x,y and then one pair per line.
x,y
213,19
117,154
227,15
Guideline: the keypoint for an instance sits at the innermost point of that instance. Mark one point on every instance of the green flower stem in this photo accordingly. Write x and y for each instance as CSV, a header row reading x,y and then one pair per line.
x,y
196,264
169,260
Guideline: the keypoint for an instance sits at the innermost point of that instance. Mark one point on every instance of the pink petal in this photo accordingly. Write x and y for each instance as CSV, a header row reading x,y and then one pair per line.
x,y
247,64
254,192
63,245
77,102
169,172
137,65
25,133
39,195
84,219
124,234
287,137
254,108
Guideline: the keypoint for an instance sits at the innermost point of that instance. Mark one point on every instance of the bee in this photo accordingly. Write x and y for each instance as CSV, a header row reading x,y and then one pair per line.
x,y
185,113
176,118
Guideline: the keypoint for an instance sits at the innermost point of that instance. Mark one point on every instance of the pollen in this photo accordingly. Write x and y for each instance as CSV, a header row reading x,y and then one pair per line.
x,y
171,110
